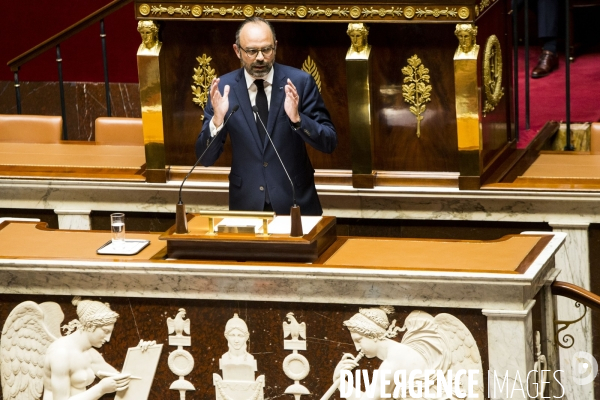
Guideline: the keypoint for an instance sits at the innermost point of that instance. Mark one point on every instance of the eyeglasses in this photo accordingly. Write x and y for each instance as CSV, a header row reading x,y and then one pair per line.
x,y
252,53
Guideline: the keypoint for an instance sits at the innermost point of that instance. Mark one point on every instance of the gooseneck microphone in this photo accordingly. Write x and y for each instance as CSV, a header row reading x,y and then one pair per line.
x,y
180,214
295,215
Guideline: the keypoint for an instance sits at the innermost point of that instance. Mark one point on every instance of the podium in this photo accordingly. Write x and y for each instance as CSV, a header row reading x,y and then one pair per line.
x,y
201,243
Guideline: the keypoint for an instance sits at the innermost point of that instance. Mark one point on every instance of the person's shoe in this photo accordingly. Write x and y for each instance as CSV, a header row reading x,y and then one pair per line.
x,y
547,63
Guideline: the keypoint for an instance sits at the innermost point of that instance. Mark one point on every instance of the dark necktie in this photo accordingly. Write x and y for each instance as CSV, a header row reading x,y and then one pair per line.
x,y
263,107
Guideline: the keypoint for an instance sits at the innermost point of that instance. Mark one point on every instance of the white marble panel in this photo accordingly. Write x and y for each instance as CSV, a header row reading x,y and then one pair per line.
x,y
574,264
74,219
510,350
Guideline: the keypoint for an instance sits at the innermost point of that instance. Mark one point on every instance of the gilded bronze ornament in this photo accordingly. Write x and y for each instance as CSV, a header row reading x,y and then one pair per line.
x,y
149,32
409,12
310,67
328,12
359,48
463,13
248,11
197,11
415,90
436,12
233,10
466,34
274,11
568,339
382,12
203,76
492,74
144,9
181,10
484,4
355,12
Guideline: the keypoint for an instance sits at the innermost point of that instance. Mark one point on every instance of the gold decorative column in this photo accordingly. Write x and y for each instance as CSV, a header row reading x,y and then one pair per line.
x,y
467,107
359,106
148,61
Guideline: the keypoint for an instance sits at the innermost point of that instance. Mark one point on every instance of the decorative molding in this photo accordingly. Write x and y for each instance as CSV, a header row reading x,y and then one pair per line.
x,y
180,361
415,90
310,11
436,12
295,365
567,339
203,76
158,10
310,67
492,74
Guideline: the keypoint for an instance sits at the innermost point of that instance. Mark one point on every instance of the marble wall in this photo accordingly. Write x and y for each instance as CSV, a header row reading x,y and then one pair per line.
x,y
85,101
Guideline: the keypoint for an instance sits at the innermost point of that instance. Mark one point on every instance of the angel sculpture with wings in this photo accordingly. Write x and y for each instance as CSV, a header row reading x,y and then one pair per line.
x,y
36,359
429,344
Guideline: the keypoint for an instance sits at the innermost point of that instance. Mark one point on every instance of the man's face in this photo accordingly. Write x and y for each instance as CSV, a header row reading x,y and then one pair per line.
x,y
148,37
256,36
356,37
465,40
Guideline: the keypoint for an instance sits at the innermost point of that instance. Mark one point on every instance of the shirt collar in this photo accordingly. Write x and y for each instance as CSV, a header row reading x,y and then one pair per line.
x,y
268,78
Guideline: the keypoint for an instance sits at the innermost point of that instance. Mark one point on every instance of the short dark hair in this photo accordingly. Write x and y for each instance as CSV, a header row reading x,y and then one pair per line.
x,y
254,20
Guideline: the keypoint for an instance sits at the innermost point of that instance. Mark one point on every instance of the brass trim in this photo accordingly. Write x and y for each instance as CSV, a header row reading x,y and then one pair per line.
x,y
415,91
492,74
310,67
365,12
436,12
144,9
181,10
567,338
203,76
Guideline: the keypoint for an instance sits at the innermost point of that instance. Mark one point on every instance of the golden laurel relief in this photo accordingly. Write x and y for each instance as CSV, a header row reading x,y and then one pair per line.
x,y
492,74
233,10
415,90
274,11
328,12
181,10
382,12
203,76
436,12
310,67
144,9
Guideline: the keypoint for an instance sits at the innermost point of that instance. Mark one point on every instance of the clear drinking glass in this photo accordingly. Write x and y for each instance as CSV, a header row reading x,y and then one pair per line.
x,y
117,226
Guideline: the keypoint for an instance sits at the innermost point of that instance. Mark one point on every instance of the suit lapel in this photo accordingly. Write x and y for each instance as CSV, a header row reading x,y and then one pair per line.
x,y
277,99
241,91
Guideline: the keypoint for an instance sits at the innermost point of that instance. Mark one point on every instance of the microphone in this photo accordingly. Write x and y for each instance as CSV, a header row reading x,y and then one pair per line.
x,y
296,218
180,214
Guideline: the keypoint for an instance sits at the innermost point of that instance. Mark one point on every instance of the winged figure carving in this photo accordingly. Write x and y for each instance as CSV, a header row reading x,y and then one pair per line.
x,y
28,331
178,325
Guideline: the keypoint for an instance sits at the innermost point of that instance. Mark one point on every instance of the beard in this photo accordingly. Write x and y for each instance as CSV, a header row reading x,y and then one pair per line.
x,y
258,69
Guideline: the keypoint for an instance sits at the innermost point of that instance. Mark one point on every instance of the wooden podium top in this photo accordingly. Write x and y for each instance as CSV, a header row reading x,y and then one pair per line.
x,y
511,254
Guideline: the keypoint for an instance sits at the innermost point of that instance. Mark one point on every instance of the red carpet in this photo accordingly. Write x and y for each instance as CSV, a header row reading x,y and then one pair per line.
x,y
547,95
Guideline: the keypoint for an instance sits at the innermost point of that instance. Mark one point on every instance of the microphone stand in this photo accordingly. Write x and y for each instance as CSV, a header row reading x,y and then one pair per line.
x,y
295,215
180,214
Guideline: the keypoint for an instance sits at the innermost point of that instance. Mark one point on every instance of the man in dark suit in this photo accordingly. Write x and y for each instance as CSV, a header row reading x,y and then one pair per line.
x,y
290,105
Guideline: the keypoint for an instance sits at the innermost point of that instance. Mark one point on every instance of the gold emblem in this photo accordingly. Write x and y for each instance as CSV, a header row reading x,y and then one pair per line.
x,y
355,12
248,11
463,13
492,74
409,12
222,11
144,9
477,11
415,90
197,11
310,67
301,12
203,76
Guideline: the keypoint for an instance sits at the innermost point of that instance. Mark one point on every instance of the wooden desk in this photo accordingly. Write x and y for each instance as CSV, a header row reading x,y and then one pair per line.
x,y
72,159
562,170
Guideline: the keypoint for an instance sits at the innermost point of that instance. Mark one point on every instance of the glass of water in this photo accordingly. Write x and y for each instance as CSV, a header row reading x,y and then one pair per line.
x,y
117,226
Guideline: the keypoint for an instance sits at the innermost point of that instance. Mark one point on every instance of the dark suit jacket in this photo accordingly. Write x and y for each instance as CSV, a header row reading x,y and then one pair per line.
x,y
255,166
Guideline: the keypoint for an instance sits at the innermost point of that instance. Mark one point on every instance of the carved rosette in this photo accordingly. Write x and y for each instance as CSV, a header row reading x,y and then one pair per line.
x,y
203,76
310,67
492,74
416,90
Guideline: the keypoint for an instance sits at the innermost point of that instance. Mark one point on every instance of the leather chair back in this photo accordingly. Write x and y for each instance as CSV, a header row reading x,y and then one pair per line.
x,y
21,128
119,131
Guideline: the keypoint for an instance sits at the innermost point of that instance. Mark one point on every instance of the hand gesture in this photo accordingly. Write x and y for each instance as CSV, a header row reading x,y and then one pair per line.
x,y
114,383
291,102
347,362
220,102
144,344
